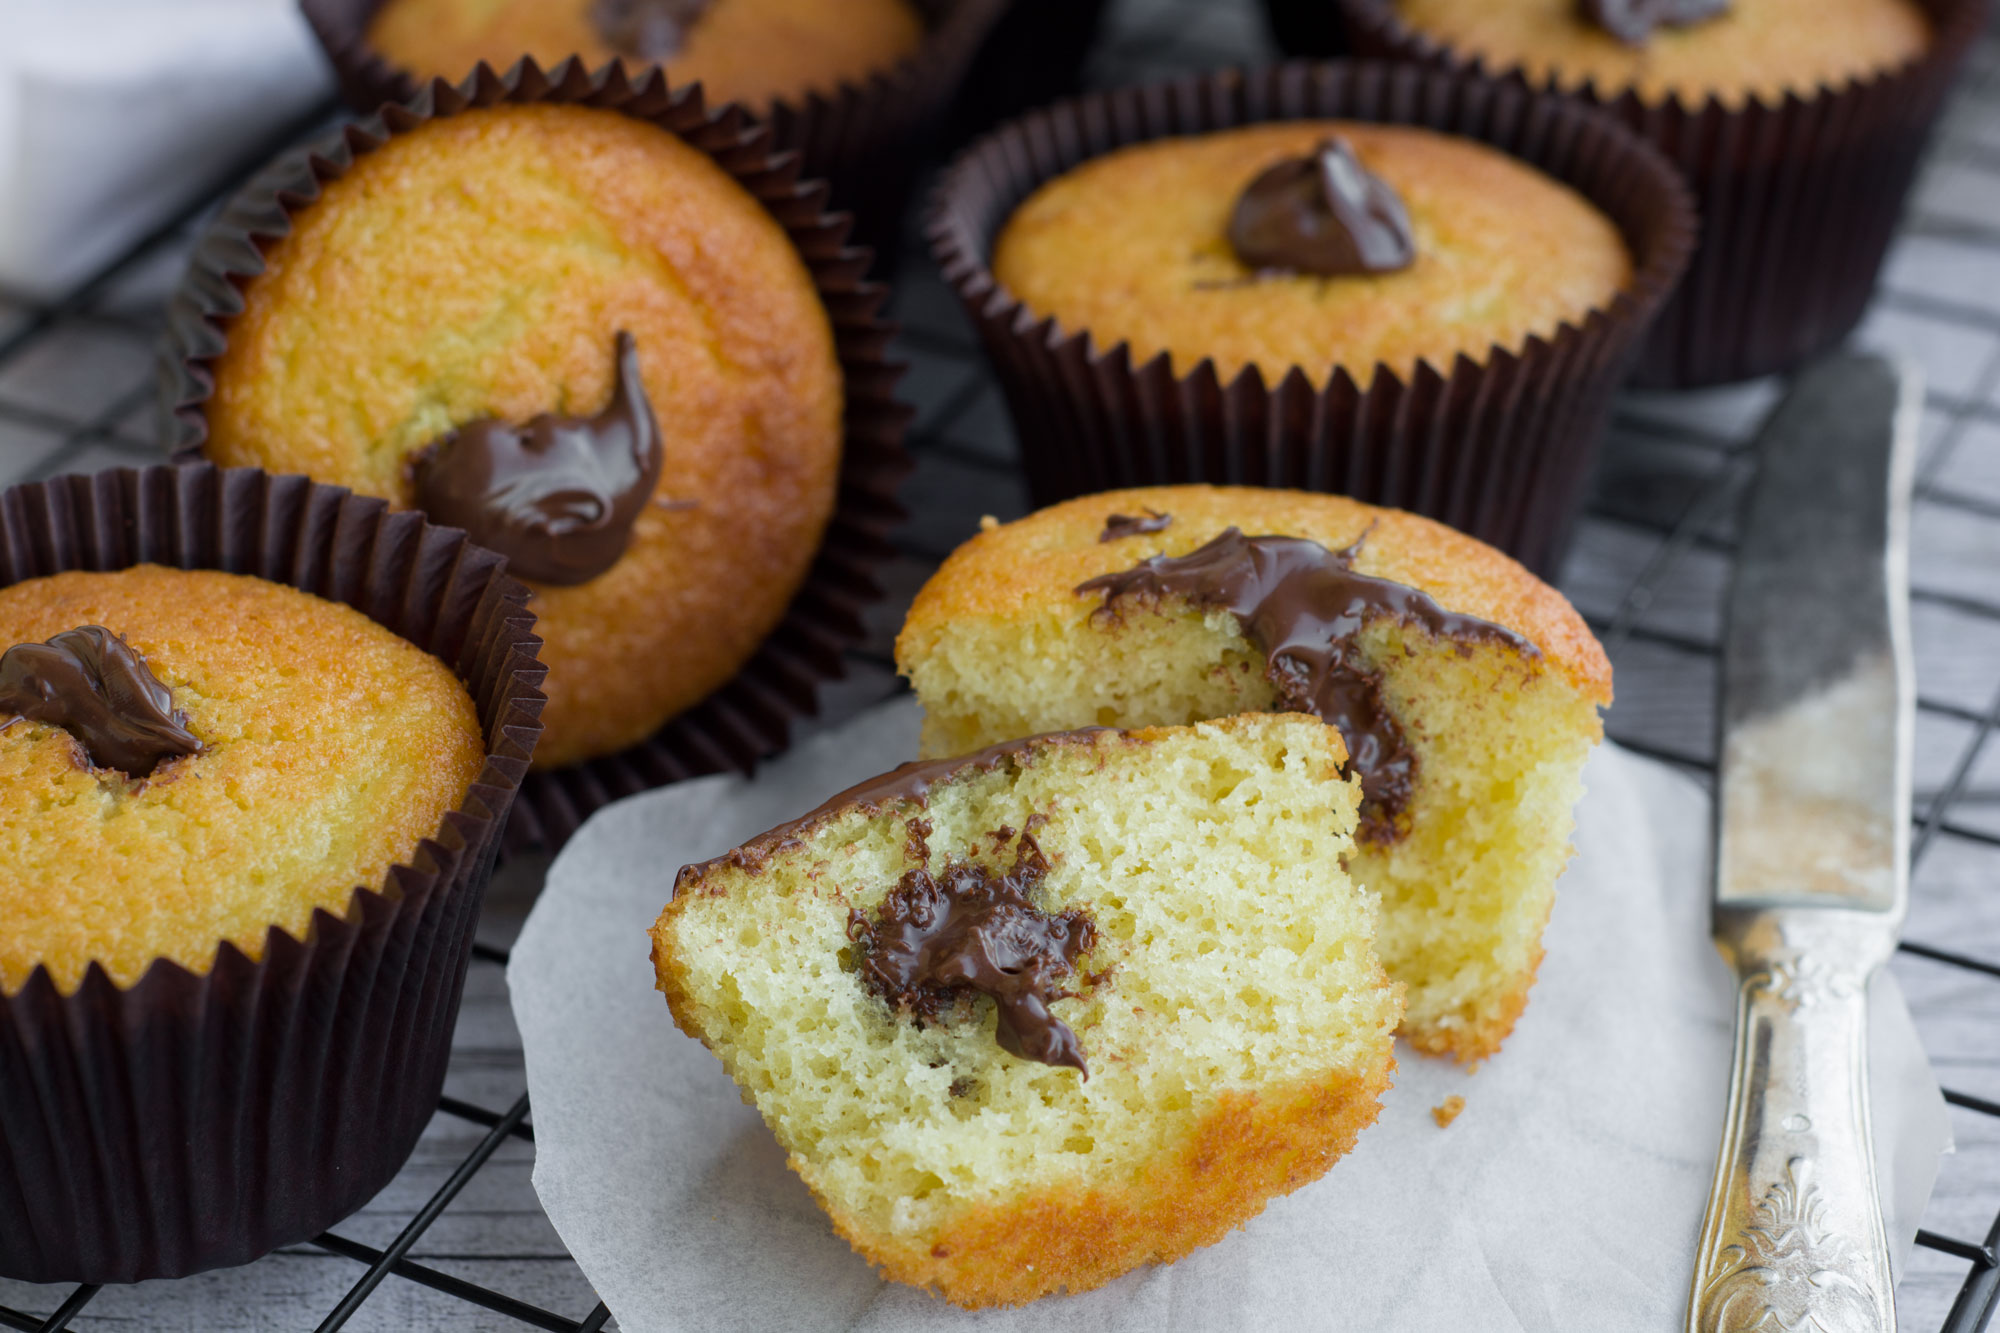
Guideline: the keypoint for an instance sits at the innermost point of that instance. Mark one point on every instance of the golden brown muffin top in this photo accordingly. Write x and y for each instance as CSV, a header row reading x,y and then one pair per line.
x,y
1133,247
1011,568
1760,48
330,748
751,51
483,265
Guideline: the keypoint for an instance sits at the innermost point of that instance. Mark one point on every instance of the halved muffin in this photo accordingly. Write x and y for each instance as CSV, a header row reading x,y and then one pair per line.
x,y
1031,1018
1468,691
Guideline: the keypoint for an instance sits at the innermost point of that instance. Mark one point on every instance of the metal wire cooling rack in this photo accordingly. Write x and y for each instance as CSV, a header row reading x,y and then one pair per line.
x,y
458,1241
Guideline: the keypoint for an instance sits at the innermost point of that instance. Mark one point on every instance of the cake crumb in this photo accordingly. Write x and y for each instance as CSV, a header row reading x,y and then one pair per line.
x,y
987,522
1448,1112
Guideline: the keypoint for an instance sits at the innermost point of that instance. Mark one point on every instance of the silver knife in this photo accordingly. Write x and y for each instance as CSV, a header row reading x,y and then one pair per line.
x,y
1812,853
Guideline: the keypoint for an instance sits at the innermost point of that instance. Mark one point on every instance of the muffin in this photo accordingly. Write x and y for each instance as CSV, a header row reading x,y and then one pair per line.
x,y
307,750
1731,50
1176,246
1467,691
749,51
1029,1019
1797,124
1414,289
258,738
572,333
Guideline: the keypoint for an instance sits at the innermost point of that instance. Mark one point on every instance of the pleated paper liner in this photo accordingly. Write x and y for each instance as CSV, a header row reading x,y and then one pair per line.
x,y
194,1120
1798,200
1501,449
751,716
867,138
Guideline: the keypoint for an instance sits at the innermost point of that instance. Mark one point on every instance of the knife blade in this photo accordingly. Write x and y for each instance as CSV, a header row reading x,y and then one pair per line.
x,y
1812,851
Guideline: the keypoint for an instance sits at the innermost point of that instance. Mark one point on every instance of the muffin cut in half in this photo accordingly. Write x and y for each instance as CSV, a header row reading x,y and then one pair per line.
x,y
1029,1019
1467,688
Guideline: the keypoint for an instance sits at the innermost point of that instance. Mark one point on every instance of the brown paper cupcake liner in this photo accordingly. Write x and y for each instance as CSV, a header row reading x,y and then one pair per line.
x,y
1798,200
867,138
751,716
1501,449
194,1121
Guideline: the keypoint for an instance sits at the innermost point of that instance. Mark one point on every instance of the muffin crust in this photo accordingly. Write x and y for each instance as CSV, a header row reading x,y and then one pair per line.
x,y
331,748
1759,49
751,51
482,266
1132,247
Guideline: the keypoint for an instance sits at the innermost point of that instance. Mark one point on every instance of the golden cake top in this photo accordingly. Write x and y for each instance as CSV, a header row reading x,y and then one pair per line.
x,y
508,277
328,749
1751,48
752,51
1135,246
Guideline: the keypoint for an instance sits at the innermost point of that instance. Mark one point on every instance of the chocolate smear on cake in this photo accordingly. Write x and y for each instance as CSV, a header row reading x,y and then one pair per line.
x,y
1120,526
1304,607
905,784
1323,214
968,930
98,688
1633,21
558,496
650,30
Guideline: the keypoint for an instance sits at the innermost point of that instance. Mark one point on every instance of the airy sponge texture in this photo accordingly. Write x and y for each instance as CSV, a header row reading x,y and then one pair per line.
x,y
483,265
331,749
1236,1022
999,644
1133,246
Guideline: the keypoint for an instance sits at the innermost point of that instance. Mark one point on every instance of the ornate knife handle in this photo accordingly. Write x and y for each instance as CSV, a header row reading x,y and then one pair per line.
x,y
1793,1238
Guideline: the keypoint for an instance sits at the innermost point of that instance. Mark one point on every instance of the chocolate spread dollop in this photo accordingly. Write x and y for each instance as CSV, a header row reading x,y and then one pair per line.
x,y
1117,527
1304,607
972,930
95,686
558,496
1633,21
1324,214
651,30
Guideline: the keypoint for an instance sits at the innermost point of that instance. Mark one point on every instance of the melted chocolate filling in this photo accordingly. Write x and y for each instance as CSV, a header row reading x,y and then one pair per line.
x,y
970,930
1304,607
558,496
650,30
1120,526
1323,214
93,685
1633,21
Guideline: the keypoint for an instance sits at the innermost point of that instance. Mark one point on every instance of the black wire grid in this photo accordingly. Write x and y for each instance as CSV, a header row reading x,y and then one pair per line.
x,y
1648,571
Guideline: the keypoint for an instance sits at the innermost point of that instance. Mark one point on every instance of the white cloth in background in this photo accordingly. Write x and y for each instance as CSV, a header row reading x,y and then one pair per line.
x,y
115,113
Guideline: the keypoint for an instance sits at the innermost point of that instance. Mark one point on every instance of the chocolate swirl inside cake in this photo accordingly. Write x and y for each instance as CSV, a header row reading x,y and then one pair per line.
x,y
98,688
969,929
1304,608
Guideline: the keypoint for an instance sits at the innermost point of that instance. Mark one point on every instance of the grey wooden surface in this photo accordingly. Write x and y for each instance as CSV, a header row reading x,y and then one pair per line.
x,y
78,398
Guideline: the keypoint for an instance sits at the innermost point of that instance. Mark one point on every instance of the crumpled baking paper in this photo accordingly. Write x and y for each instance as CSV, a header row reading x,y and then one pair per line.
x,y
115,113
1566,1196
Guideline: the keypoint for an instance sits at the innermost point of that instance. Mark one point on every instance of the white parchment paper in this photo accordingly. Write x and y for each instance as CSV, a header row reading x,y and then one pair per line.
x,y
1566,1196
